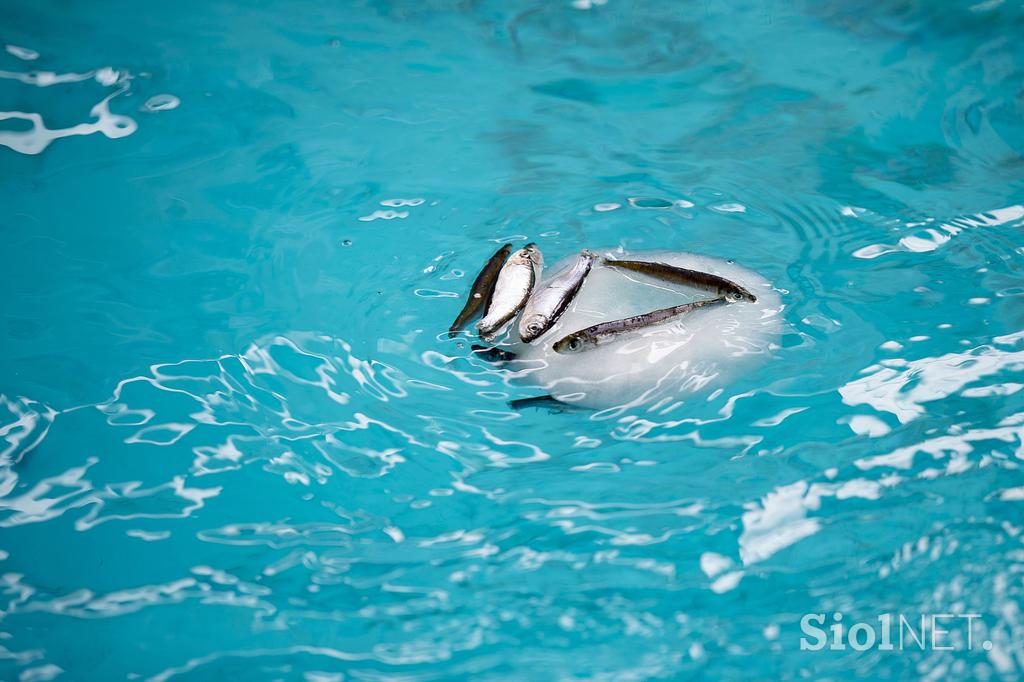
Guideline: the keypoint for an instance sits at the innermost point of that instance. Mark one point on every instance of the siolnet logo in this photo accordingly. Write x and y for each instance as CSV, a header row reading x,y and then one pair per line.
x,y
891,632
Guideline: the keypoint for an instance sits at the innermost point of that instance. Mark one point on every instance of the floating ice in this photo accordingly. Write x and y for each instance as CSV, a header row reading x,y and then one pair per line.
x,y
659,365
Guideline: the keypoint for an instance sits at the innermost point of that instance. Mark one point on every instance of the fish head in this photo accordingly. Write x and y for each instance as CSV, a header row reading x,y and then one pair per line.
x,y
531,252
739,294
484,331
533,326
526,255
573,343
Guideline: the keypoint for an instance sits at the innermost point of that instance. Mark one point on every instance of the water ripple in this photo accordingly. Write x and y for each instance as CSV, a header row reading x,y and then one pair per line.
x,y
238,443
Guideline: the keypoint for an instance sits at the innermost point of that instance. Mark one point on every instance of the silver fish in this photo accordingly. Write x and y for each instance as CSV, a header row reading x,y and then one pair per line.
x,y
692,278
605,331
515,283
549,302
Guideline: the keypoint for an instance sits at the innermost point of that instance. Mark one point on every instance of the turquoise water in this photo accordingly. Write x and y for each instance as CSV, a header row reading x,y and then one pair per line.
x,y
236,444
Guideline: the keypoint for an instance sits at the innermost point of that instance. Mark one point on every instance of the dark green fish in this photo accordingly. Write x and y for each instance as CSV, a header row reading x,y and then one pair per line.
x,y
606,331
691,278
483,289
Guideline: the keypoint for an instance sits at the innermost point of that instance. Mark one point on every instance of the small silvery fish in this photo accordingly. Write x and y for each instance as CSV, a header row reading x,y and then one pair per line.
x,y
549,302
483,288
515,283
692,278
606,331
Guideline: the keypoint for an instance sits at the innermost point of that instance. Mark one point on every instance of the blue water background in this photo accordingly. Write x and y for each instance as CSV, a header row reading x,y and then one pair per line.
x,y
235,444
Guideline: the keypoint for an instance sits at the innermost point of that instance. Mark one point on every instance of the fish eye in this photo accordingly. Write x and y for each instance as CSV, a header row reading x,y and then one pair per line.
x,y
574,344
533,327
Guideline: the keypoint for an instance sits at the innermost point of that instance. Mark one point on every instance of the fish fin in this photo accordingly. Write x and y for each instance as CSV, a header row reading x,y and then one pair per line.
x,y
492,354
548,402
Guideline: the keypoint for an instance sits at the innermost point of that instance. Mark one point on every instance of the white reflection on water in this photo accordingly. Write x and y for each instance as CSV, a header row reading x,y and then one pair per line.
x,y
931,238
903,387
36,139
39,136
23,53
